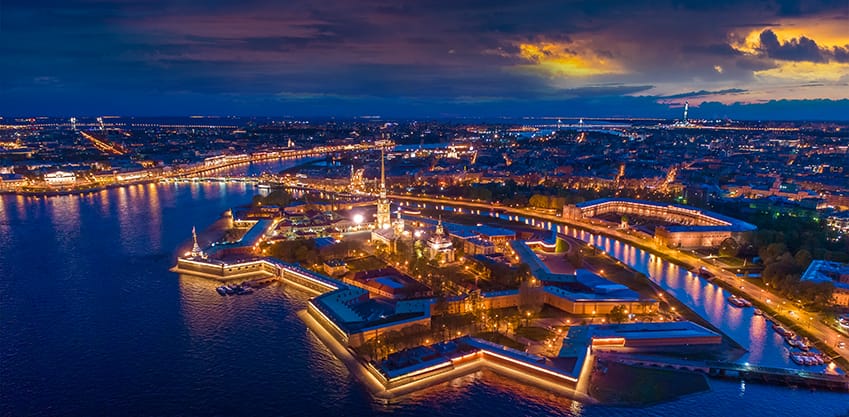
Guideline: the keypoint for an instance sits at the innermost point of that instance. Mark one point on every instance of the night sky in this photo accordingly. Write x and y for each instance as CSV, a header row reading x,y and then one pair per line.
x,y
737,59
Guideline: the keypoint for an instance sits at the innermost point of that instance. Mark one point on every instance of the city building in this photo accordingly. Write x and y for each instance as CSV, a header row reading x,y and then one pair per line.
x,y
839,222
439,245
671,225
835,273
246,245
383,206
389,283
642,337
60,178
335,267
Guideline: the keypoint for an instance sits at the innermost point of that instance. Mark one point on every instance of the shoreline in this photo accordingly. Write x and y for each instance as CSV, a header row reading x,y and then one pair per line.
x,y
388,394
80,191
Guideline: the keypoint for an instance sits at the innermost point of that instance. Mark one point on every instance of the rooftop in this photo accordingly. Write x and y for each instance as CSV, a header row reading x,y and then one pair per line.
x,y
828,271
648,331
734,224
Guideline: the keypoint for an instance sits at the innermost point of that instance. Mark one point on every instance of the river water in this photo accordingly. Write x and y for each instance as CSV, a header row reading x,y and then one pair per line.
x,y
92,323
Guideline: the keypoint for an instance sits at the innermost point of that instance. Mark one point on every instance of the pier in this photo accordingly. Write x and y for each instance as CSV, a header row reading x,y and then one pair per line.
x,y
737,371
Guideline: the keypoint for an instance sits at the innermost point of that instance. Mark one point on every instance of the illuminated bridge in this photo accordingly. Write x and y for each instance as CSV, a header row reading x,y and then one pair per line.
x,y
103,144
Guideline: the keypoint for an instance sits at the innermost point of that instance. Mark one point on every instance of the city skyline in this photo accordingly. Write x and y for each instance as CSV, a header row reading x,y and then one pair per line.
x,y
740,60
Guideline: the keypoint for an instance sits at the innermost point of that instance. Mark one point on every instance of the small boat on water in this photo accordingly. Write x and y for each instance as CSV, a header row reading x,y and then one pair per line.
x,y
804,344
758,312
236,289
739,302
781,330
241,289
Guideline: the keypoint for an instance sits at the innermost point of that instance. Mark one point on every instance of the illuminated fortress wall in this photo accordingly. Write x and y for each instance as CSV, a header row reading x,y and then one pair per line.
x,y
691,228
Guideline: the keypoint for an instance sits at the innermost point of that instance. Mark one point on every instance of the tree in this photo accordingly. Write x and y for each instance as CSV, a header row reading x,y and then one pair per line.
x,y
530,297
556,203
773,251
729,247
560,245
803,258
618,314
538,201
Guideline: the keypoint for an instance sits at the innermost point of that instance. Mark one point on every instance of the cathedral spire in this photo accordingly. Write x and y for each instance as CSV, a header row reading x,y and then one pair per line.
x,y
382,173
384,217
195,248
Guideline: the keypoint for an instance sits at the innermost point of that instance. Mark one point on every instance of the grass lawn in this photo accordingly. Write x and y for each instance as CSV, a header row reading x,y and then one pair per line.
x,y
502,340
366,264
731,261
534,333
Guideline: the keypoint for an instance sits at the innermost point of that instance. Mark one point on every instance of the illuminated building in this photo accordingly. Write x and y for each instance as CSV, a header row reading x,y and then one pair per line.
x,y
646,336
835,273
439,245
383,216
60,178
677,226
839,222
389,236
196,251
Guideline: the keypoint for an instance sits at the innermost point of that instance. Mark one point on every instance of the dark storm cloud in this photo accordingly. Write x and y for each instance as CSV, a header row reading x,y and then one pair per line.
x,y
801,49
702,93
389,51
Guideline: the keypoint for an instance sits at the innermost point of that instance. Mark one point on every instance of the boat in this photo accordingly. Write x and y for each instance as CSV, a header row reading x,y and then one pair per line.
x,y
804,344
737,301
758,312
221,291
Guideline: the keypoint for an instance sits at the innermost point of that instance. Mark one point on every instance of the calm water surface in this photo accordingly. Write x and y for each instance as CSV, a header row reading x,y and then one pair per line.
x,y
92,323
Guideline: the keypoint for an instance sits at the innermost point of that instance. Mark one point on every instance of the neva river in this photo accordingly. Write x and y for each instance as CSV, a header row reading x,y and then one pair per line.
x,y
92,323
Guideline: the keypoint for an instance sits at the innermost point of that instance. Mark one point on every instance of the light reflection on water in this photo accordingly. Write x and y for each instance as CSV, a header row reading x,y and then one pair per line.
x,y
93,324
735,322
705,298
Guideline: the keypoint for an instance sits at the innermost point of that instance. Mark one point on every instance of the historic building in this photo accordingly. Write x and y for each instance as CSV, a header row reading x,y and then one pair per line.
x,y
676,226
383,216
439,245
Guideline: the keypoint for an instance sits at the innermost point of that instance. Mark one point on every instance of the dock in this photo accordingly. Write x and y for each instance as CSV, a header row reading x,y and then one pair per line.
x,y
737,371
